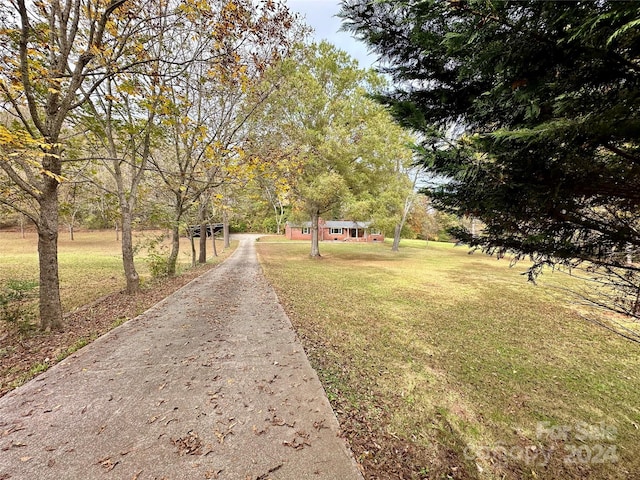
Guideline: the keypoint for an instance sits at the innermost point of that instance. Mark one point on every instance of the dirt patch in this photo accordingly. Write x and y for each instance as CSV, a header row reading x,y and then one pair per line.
x,y
25,355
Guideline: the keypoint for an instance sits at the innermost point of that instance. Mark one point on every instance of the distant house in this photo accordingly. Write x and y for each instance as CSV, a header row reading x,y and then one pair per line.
x,y
335,231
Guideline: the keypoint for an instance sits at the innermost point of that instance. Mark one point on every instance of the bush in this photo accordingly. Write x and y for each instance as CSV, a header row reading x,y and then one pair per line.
x,y
269,225
158,264
16,308
238,227
157,256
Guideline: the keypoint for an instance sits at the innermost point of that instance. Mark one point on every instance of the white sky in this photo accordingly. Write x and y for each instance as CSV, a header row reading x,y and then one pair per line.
x,y
321,16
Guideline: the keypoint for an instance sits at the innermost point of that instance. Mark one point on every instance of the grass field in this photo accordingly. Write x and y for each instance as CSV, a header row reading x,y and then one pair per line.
x,y
90,265
91,277
442,364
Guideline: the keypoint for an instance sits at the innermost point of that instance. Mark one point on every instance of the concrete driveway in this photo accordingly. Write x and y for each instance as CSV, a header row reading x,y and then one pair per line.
x,y
211,383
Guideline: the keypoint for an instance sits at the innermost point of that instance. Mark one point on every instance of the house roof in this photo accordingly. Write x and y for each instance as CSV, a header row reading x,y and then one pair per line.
x,y
334,224
346,224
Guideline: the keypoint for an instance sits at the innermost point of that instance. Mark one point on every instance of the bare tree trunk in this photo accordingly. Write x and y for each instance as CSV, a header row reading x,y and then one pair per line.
x,y
315,244
175,248
127,203
275,209
130,273
202,213
635,311
408,203
211,208
278,210
396,238
117,232
193,250
225,228
50,304
279,218
202,253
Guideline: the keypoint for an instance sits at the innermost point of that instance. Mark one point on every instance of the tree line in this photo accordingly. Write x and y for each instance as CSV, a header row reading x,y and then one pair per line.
x,y
174,110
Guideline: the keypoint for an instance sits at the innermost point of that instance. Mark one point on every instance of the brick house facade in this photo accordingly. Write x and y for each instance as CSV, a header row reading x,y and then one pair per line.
x,y
335,231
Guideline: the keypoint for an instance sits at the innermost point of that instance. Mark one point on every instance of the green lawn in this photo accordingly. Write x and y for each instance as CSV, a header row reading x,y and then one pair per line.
x,y
459,361
90,266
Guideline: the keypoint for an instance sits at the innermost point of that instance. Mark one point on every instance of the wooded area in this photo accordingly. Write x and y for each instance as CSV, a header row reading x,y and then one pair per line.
x,y
183,112
169,113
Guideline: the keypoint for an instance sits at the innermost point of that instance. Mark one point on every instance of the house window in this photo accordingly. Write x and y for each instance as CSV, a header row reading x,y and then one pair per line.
x,y
306,230
375,232
336,231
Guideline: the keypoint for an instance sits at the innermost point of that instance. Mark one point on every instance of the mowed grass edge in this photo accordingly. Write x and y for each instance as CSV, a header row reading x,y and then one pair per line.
x,y
92,281
90,266
468,369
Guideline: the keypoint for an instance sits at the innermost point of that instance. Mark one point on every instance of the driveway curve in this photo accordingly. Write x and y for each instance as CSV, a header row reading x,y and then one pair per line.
x,y
211,383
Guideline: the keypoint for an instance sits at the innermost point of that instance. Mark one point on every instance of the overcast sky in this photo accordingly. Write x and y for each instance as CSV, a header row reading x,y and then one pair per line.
x,y
321,16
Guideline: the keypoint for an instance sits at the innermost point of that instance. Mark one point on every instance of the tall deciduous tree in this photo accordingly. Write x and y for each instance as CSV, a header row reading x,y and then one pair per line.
x,y
276,165
548,96
407,176
123,114
342,151
53,56
211,102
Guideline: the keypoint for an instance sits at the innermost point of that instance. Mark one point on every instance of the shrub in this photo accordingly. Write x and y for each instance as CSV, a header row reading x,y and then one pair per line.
x,y
157,257
16,308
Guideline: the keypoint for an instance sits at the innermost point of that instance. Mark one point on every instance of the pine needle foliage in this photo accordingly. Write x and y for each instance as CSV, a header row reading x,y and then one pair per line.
x,y
531,112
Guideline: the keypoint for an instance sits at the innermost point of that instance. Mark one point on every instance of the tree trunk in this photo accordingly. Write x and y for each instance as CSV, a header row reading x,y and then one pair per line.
x,y
225,228
117,232
50,304
396,238
279,211
202,213
408,203
278,221
193,250
175,248
315,244
202,254
213,243
635,310
130,273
